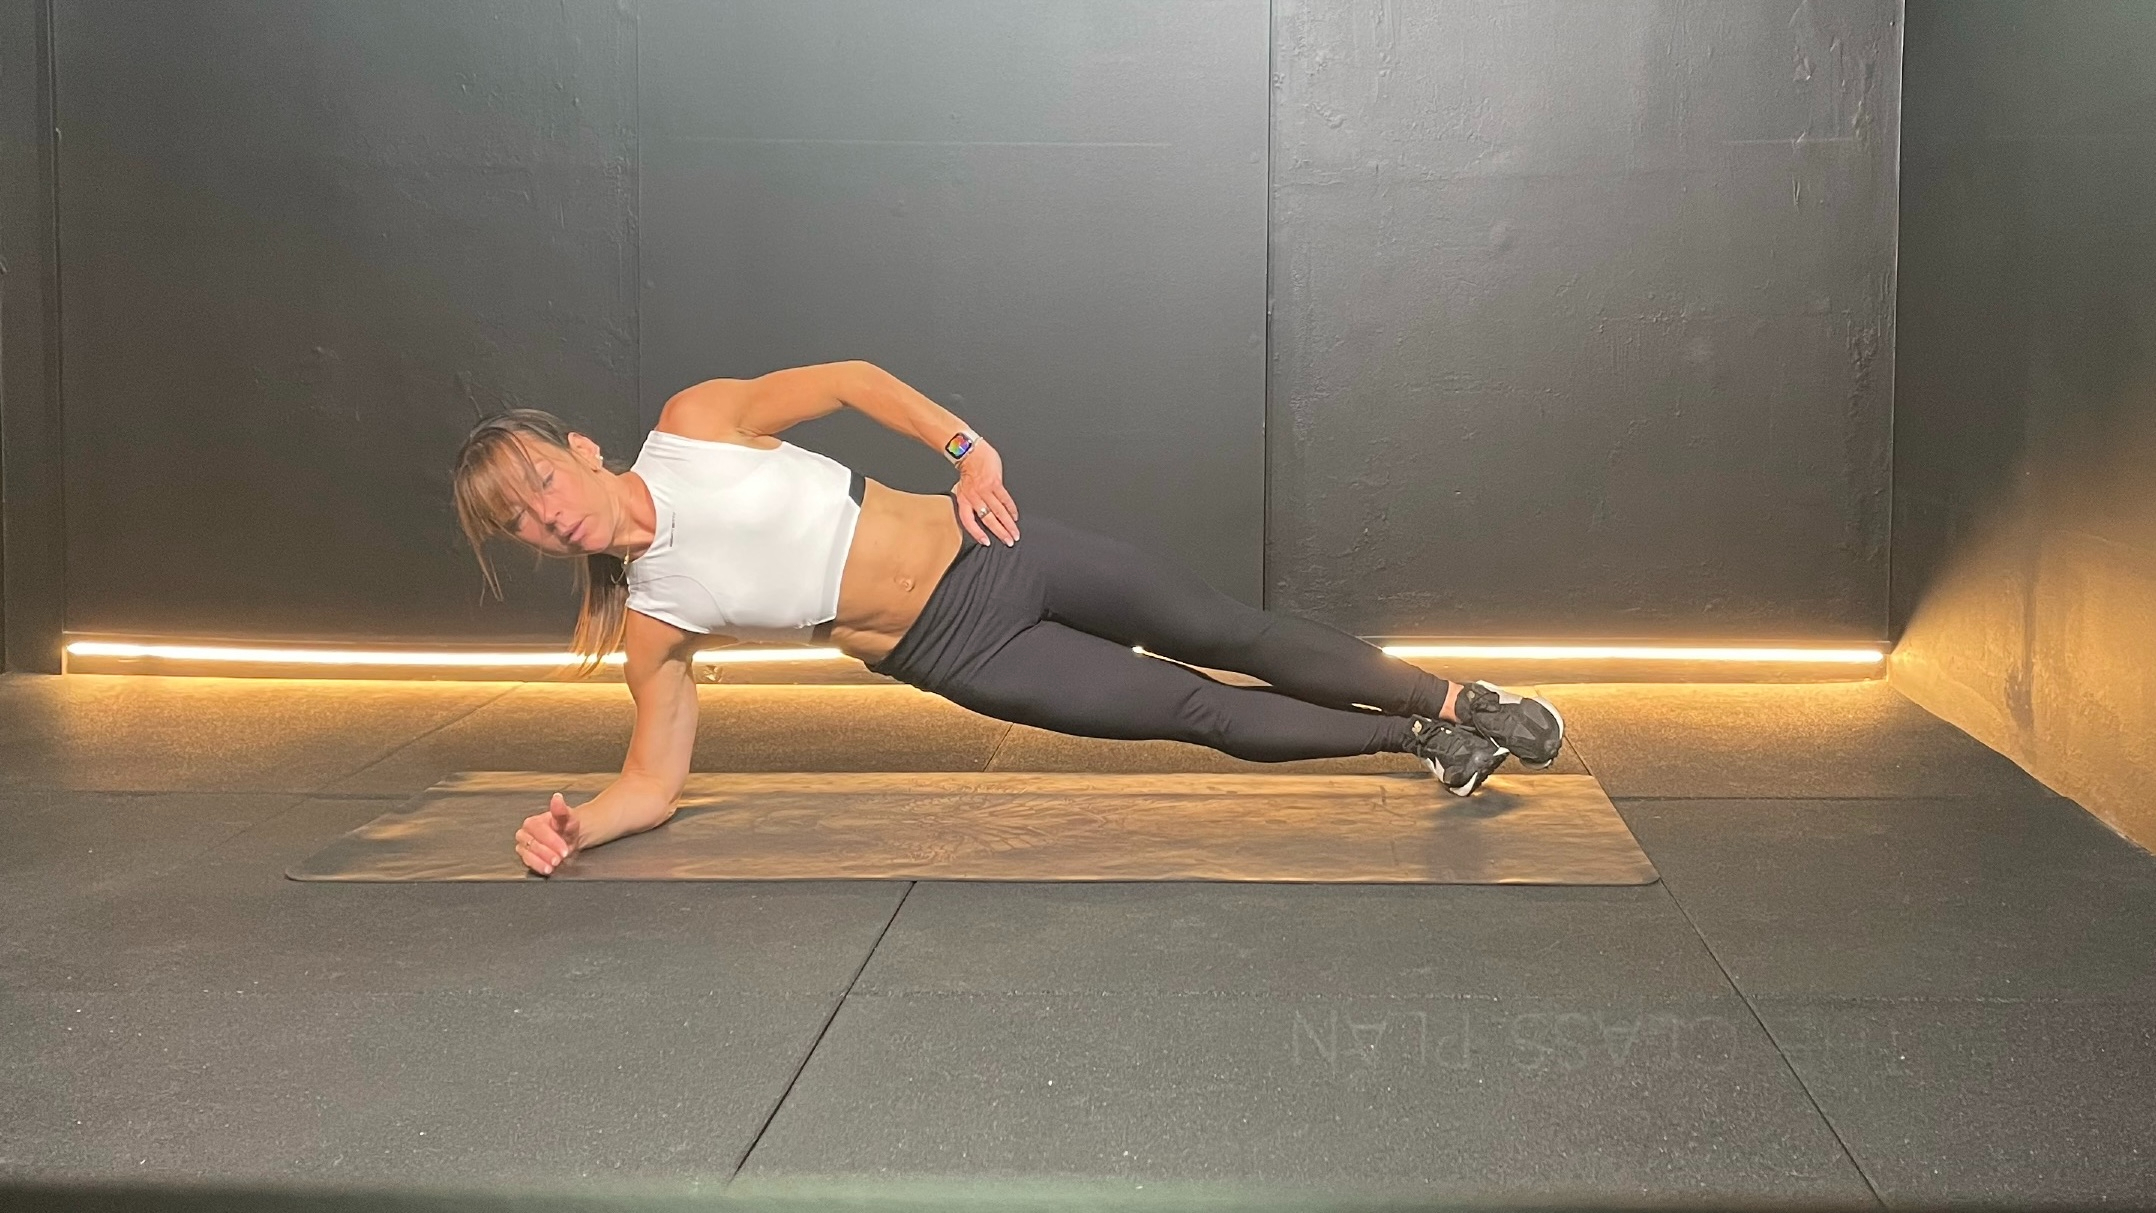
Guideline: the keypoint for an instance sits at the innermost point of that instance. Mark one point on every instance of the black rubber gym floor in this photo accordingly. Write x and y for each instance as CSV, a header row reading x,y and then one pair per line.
x,y
1883,965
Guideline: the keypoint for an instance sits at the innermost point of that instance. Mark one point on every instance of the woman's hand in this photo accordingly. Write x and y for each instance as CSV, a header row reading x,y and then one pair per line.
x,y
981,496
546,840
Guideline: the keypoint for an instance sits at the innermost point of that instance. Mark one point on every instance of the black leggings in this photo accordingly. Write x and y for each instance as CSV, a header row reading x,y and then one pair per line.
x,y
1040,632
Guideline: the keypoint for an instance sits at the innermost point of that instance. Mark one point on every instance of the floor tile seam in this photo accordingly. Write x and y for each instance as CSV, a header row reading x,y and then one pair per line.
x,y
416,738
210,854
1567,742
618,992
1302,995
1781,1054
1804,798
208,851
2063,1000
77,790
837,1004
996,751
146,792
151,989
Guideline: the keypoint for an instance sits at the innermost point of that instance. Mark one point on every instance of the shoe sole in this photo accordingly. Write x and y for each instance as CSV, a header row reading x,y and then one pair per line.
x,y
1468,789
1546,763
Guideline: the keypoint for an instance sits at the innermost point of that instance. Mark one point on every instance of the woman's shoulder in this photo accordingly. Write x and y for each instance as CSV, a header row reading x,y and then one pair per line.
x,y
709,412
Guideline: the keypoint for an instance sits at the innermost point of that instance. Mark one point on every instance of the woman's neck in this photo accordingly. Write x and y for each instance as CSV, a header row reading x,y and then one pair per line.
x,y
639,519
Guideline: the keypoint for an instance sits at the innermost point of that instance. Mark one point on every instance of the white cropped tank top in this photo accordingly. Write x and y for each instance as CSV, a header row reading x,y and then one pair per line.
x,y
749,542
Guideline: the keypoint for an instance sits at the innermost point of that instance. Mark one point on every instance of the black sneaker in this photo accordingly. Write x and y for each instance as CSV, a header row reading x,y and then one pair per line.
x,y
1528,727
1460,758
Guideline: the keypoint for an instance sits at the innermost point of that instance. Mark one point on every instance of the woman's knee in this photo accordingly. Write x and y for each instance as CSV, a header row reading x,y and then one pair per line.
x,y
1229,637
1063,705
1208,716
1244,632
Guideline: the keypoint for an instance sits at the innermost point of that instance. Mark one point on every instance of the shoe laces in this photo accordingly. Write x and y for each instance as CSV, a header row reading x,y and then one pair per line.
x,y
1430,732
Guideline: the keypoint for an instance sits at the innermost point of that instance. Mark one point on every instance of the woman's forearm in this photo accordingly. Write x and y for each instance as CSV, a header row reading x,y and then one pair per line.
x,y
898,407
629,805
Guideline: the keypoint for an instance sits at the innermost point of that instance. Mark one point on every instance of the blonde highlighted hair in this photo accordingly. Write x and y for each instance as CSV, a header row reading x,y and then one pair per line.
x,y
493,471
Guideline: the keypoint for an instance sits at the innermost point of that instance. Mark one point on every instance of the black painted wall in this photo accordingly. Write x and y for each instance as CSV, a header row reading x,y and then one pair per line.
x,y
1580,315
1582,320
31,560
1048,217
2025,428
304,243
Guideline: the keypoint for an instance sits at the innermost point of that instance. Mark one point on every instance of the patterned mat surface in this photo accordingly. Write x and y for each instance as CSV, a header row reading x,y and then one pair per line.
x,y
1024,826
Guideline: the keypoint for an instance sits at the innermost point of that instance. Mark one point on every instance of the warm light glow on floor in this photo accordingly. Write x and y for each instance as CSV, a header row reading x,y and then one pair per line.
x,y
528,658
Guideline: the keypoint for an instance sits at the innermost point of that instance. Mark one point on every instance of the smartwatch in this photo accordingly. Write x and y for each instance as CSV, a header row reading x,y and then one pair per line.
x,y
960,442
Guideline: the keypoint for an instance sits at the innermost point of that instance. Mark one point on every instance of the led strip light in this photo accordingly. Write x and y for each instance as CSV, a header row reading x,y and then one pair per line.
x,y
450,658
1637,652
207,652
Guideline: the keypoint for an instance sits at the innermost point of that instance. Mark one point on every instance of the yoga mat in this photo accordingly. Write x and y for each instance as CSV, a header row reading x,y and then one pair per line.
x,y
1024,826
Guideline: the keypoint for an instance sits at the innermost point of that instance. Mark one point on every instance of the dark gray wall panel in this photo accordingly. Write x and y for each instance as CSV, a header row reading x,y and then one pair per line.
x,y
1049,218
1634,260
1582,317
32,562
2029,249
2025,418
305,243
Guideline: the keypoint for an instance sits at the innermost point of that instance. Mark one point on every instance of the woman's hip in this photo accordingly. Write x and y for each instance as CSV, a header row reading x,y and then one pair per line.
x,y
988,594
991,592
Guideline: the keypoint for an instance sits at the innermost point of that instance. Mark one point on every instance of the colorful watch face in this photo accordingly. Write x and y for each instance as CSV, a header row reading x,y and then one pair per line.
x,y
957,446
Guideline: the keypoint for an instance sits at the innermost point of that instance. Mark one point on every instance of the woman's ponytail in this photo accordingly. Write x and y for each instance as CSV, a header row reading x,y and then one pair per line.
x,y
603,579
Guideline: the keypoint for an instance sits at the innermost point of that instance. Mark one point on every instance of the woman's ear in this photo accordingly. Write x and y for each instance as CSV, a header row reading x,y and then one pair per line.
x,y
587,452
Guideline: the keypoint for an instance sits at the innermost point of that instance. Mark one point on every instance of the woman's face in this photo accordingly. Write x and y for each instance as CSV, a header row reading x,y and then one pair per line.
x,y
572,510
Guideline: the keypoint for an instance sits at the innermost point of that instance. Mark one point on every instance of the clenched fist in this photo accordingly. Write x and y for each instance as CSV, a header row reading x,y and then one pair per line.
x,y
546,840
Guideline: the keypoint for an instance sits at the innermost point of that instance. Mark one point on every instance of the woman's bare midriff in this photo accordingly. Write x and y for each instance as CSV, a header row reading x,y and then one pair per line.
x,y
902,544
